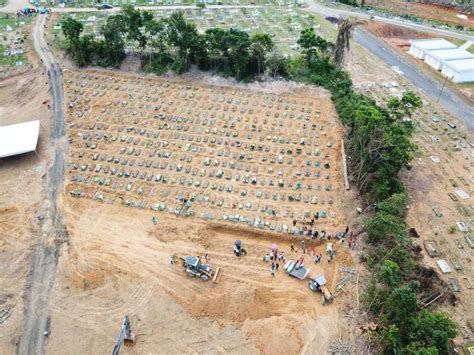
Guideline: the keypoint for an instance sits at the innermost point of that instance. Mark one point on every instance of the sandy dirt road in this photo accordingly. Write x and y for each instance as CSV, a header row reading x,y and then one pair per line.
x,y
45,255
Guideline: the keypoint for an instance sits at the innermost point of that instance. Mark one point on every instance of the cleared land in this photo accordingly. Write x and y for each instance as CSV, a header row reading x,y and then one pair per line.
x,y
432,12
117,261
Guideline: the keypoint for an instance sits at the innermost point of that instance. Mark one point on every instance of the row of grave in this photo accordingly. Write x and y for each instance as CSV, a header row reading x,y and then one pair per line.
x,y
224,126
281,155
303,170
203,104
302,137
176,91
256,221
241,187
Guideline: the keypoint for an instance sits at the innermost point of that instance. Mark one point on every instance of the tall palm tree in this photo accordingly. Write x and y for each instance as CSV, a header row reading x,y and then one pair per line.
x,y
344,33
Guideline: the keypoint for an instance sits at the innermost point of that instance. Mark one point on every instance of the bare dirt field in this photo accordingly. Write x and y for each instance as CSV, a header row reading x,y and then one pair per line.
x,y
439,13
22,98
117,261
442,166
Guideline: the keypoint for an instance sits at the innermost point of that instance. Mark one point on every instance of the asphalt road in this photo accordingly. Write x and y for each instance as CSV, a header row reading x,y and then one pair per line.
x,y
430,86
45,254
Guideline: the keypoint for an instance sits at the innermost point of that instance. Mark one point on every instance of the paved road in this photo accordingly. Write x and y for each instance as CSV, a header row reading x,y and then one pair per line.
x,y
315,6
45,255
431,87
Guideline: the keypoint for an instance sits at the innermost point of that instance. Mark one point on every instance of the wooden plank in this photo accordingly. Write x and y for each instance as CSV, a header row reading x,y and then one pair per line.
x,y
344,165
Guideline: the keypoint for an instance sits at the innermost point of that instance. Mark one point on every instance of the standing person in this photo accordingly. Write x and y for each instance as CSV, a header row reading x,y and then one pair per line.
x,y
153,220
302,246
277,266
171,259
294,223
272,269
350,243
347,230
312,222
316,216
207,257
292,247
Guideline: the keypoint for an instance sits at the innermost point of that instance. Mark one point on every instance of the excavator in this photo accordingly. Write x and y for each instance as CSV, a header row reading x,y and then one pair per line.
x,y
126,337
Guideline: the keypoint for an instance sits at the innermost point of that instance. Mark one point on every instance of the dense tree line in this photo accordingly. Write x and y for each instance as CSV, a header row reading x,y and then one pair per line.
x,y
175,44
379,144
378,141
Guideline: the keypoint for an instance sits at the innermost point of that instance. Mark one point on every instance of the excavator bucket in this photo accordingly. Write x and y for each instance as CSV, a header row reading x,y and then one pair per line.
x,y
129,341
217,275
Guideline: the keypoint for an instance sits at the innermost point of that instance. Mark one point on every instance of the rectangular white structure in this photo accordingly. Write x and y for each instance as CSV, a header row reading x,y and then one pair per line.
x,y
19,138
459,71
419,47
438,58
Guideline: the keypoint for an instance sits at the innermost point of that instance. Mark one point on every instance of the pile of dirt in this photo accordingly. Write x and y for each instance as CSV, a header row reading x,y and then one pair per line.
x,y
396,35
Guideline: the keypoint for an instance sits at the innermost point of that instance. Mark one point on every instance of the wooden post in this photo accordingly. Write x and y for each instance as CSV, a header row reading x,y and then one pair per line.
x,y
357,285
344,165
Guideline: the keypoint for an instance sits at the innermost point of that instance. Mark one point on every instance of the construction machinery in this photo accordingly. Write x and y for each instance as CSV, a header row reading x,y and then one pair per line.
x,y
238,250
126,337
318,284
194,268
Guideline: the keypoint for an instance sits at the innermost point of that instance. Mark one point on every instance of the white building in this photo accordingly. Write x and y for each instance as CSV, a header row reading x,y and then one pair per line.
x,y
419,47
19,138
459,71
437,58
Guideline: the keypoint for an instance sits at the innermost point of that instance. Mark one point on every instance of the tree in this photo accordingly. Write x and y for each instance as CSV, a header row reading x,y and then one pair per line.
x,y
401,306
314,46
112,49
72,29
344,33
184,36
261,44
236,44
216,46
389,273
276,63
433,330
405,107
135,21
158,37
84,52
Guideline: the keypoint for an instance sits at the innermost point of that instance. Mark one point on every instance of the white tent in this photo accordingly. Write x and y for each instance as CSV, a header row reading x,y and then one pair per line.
x,y
18,138
459,71
437,58
419,47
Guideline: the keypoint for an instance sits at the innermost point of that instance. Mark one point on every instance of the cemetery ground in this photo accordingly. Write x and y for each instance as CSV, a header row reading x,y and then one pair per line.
x,y
13,47
236,154
116,261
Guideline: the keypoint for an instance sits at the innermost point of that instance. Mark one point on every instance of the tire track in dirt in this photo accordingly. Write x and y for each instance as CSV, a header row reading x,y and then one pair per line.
x,y
45,255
